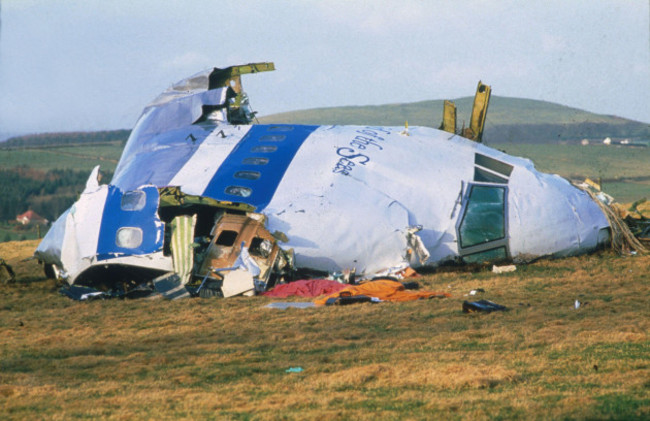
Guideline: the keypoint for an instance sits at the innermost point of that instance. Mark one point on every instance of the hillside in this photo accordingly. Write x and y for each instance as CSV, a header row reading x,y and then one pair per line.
x,y
508,119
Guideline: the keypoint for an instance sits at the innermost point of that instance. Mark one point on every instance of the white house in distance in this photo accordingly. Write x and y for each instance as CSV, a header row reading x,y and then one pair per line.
x,y
31,217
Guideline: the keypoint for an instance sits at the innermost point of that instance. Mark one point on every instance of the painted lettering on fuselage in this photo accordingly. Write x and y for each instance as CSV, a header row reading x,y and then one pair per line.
x,y
367,141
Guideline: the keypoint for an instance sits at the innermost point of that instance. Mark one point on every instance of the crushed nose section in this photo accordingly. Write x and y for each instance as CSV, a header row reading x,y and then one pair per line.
x,y
179,245
241,241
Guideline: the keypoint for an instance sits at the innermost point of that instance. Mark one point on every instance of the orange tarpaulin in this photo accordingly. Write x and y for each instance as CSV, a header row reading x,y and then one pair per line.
x,y
385,290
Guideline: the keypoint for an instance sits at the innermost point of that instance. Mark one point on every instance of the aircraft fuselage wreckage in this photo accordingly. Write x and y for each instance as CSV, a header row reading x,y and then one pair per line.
x,y
202,196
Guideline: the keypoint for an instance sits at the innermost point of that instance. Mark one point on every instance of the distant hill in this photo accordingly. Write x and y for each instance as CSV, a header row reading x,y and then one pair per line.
x,y
508,119
65,139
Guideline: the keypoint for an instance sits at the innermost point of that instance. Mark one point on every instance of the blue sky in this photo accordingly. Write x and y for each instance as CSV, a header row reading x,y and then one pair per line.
x,y
68,65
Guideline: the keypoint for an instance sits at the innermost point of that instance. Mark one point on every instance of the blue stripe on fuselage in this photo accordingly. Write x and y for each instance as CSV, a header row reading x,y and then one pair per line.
x,y
286,138
145,219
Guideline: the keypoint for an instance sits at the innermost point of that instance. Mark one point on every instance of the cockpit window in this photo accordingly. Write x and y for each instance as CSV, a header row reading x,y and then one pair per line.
x,y
495,254
484,218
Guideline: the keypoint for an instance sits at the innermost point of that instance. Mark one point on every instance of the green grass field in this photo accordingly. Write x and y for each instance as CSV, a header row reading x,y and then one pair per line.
x,y
10,233
614,164
228,358
74,157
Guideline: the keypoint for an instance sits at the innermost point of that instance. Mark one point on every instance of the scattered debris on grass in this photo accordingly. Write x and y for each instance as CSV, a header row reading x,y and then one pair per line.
x,y
483,306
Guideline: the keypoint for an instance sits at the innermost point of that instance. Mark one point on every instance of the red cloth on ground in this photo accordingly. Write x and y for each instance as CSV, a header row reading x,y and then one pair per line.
x,y
305,288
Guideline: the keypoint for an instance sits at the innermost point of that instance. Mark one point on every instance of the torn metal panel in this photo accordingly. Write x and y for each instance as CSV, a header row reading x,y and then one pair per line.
x,y
449,117
232,234
238,282
479,113
105,224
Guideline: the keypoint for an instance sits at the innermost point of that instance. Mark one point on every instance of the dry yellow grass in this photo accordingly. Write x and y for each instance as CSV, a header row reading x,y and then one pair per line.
x,y
227,359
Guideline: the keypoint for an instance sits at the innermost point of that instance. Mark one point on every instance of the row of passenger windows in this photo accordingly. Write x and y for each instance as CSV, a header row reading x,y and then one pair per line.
x,y
242,191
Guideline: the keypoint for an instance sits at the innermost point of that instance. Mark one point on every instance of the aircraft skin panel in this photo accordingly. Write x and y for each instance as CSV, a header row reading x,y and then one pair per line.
x,y
249,176
141,220
346,227
161,160
334,181
200,168
551,217
173,110
71,242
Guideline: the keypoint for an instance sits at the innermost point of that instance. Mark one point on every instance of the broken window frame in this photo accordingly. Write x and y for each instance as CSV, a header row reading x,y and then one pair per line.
x,y
247,230
131,205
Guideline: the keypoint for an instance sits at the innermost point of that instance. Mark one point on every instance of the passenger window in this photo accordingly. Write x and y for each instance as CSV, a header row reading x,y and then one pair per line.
x,y
227,238
255,161
484,218
133,200
272,138
238,191
247,175
280,128
264,149
128,237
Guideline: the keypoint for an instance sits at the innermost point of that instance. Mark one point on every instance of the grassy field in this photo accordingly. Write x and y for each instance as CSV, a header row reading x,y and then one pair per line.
x,y
71,157
11,233
625,171
227,358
